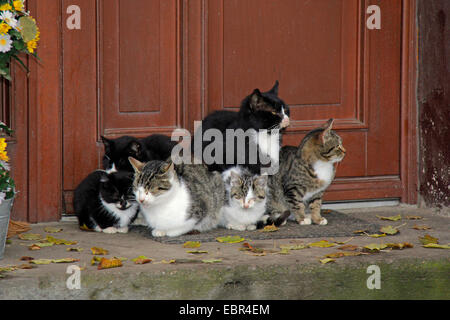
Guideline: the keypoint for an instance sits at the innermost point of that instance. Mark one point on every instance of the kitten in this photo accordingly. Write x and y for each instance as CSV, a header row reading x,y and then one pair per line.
x,y
265,113
104,202
305,173
117,151
176,199
245,199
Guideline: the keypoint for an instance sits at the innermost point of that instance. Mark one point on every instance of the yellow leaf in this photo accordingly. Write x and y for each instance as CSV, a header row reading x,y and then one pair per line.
x,y
427,239
52,229
230,239
392,218
99,251
196,251
421,227
322,244
109,263
377,235
141,260
269,228
41,261
399,246
30,236
390,230
327,260
375,247
192,244
65,260
437,246
211,260
60,241
414,217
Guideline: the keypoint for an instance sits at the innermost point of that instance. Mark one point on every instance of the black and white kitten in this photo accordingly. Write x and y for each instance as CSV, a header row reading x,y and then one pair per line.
x,y
265,113
104,202
117,151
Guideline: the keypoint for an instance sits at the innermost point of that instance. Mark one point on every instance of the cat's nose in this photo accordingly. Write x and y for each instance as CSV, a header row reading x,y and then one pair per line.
x,y
246,205
285,122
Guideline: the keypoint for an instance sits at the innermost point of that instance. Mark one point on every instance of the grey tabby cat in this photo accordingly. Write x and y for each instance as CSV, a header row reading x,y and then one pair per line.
x,y
305,173
176,199
245,202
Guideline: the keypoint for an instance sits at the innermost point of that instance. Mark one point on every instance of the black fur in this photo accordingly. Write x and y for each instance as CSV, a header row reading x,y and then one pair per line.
x,y
113,188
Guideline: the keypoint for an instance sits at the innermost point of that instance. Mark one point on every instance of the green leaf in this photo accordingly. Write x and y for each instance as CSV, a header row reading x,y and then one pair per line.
x,y
230,239
28,28
390,230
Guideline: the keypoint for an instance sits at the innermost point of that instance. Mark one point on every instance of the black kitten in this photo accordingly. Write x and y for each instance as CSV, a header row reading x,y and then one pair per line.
x,y
117,151
263,112
105,202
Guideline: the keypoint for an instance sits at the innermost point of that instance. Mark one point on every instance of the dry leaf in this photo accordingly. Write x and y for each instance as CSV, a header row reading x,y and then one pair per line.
x,y
322,244
427,239
78,249
421,227
141,260
16,227
293,247
359,231
414,217
84,227
392,218
95,260
399,246
65,260
39,245
376,235
230,239
30,236
350,247
26,258
269,228
52,229
192,244
41,261
168,261
327,260
390,230
211,260
25,266
109,263
374,247
197,251
340,254
60,241
437,246
99,251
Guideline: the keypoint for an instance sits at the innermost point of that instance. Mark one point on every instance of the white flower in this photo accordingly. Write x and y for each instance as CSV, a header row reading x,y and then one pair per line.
x,y
9,18
2,196
5,165
5,43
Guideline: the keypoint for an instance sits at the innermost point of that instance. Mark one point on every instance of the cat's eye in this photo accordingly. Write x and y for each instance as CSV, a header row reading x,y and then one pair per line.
x,y
274,113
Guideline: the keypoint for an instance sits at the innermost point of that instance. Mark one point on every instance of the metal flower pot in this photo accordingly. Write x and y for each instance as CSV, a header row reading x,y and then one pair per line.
x,y
5,211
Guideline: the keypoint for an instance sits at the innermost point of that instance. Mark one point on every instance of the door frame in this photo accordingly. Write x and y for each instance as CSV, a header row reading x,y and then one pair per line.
x,y
37,100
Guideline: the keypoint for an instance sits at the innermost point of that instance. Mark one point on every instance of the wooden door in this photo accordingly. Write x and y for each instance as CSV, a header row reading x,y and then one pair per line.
x,y
329,66
120,78
149,66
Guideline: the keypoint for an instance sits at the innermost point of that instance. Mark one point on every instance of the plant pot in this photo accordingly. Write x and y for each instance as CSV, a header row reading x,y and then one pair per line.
x,y
5,211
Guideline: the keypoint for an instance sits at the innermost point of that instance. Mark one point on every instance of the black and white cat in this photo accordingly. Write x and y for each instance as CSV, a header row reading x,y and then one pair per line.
x,y
104,202
117,151
265,113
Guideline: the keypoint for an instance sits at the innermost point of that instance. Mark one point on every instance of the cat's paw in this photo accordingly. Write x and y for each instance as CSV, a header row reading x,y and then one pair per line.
x,y
305,221
122,230
98,229
110,230
158,233
323,222
251,227
236,227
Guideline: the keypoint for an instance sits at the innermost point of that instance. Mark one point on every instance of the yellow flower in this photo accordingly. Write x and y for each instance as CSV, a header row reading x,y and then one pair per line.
x,y
5,7
4,28
18,5
3,156
3,144
31,45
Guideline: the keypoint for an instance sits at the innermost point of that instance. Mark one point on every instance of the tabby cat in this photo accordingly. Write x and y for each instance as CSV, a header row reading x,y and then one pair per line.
x,y
305,173
176,199
245,202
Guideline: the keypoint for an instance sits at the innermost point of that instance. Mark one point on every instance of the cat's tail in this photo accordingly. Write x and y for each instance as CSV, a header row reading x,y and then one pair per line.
x,y
270,220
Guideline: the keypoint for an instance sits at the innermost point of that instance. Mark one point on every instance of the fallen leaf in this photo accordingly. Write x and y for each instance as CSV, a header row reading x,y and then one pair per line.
x,y
52,229
344,242
248,247
196,251
60,241
269,228
342,254
437,246
34,247
99,251
109,263
326,211
421,227
350,247
168,261
84,227
16,227
72,249
284,251
230,239
376,235
65,260
359,231
327,260
399,246
293,247
427,239
39,245
390,230
141,260
25,266
392,218
414,217
322,244
212,260
121,258
192,244
95,260
374,247
41,261
8,268
30,236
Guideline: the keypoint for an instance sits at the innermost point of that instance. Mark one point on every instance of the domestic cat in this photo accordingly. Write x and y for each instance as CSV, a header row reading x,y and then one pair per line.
x,y
245,201
176,199
104,202
305,173
117,151
263,112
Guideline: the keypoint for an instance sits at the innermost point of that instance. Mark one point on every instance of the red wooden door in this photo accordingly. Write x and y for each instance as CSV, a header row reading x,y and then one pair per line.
x,y
145,66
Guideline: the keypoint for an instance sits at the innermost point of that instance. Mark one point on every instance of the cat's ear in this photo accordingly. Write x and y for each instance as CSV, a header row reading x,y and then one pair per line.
x,y
234,178
274,89
255,99
326,131
107,143
168,167
136,164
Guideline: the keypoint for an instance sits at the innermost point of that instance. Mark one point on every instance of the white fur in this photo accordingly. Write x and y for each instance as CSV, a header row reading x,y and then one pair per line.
x,y
168,213
124,216
269,144
324,172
